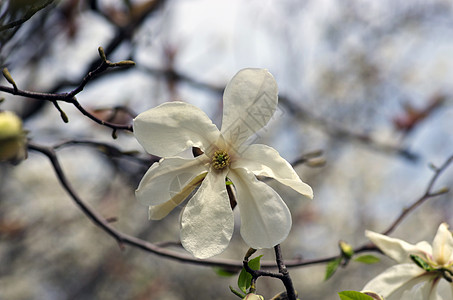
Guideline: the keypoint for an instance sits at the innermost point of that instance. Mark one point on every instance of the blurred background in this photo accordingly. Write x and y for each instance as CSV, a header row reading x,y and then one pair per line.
x,y
366,82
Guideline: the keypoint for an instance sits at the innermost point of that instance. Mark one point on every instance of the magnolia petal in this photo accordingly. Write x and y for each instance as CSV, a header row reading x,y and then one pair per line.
x,y
207,221
423,288
424,247
249,101
263,160
443,246
169,178
172,127
265,218
399,280
160,211
397,249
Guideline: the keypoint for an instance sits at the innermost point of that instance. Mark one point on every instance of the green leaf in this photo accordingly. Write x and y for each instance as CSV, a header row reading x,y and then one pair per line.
x,y
367,259
353,295
331,267
224,272
245,279
421,263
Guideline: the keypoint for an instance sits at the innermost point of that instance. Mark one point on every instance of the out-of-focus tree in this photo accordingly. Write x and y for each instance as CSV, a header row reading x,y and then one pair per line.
x,y
364,108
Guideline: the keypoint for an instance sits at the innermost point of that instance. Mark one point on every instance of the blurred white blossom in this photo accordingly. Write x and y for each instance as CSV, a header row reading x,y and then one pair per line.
x,y
421,266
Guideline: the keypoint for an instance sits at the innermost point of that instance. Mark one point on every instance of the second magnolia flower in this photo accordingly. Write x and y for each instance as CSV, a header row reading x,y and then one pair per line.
x,y
249,101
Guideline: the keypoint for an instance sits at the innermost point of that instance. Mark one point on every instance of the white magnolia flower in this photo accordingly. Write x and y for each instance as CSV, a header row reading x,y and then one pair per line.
x,y
409,280
249,101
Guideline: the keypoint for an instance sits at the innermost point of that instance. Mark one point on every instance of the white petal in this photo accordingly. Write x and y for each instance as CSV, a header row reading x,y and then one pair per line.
x,y
263,160
157,212
207,221
265,218
249,101
397,249
397,281
168,178
172,127
443,245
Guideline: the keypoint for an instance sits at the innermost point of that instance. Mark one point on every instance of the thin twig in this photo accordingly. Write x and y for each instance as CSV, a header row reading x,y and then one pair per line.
x,y
258,273
427,195
70,96
109,150
63,97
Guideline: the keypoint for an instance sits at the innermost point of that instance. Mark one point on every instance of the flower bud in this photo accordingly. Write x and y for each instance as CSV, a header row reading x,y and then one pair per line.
x,y
12,138
346,249
253,296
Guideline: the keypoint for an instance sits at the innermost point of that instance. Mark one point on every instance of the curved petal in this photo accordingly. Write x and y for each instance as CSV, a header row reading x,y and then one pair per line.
x,y
207,221
157,212
263,160
399,280
443,246
397,249
172,127
249,101
265,218
169,178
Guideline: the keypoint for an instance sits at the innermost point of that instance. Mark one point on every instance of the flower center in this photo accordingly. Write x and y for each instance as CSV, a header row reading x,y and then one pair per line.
x,y
220,159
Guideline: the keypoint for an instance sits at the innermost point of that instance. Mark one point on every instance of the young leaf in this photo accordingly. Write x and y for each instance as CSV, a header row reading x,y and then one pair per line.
x,y
331,267
367,259
236,292
353,295
421,263
245,279
223,272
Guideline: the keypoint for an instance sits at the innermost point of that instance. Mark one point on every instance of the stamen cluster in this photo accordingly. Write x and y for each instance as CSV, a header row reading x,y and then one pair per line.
x,y
220,159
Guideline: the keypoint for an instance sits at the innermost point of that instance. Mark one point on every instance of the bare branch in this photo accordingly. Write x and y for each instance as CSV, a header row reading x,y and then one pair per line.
x,y
70,96
286,279
427,195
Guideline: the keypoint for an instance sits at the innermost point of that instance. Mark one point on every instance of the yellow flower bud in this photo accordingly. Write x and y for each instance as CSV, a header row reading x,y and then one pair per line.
x,y
12,138
346,249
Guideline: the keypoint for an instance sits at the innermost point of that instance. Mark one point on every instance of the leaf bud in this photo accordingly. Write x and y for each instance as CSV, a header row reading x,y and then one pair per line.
x,y
346,249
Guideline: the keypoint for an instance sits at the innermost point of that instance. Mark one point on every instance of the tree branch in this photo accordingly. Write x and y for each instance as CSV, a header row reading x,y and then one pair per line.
x,y
70,96
427,195
286,279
